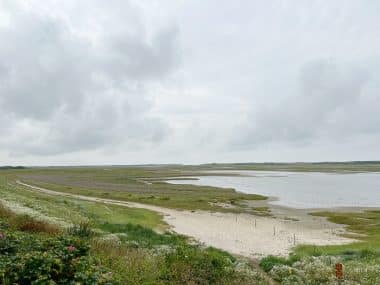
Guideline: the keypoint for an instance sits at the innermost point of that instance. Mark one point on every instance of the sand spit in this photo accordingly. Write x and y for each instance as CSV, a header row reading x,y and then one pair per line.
x,y
243,234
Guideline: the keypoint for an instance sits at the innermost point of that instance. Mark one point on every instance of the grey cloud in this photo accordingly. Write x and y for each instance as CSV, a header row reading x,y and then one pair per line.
x,y
45,67
321,107
143,60
208,80
79,93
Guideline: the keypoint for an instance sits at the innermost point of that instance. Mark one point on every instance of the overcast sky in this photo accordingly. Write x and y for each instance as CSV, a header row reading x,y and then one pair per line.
x,y
127,82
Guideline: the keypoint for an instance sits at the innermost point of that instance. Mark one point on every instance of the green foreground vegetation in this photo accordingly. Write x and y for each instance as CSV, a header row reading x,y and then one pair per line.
x,y
120,245
54,240
315,264
35,252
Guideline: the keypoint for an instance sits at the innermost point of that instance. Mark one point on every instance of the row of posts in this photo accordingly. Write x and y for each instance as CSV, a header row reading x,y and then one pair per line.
x,y
338,266
274,231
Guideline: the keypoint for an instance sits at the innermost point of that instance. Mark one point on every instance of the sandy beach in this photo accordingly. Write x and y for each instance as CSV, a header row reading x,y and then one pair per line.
x,y
254,236
242,234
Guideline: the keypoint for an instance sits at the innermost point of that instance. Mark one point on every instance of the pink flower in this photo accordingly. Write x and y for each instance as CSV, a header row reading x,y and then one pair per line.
x,y
2,235
71,248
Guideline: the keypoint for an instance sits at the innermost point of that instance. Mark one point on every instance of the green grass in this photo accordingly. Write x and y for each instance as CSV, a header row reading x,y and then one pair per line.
x,y
75,211
143,185
315,264
365,224
147,184
141,235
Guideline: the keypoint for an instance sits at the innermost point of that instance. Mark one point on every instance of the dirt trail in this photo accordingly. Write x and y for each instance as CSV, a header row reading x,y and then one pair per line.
x,y
243,234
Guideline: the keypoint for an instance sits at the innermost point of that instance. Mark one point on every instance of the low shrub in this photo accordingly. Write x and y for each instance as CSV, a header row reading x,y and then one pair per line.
x,y
5,212
29,224
189,264
267,263
25,223
181,264
82,229
132,266
8,243
142,236
32,259
313,270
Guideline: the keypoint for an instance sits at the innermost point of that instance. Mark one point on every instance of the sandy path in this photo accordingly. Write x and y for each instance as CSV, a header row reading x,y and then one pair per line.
x,y
236,233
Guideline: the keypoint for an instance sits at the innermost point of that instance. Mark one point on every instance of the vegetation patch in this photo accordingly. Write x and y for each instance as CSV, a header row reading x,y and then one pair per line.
x,y
131,184
104,250
316,264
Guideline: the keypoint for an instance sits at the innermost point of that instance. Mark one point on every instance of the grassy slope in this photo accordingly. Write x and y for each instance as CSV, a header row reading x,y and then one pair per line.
x,y
74,211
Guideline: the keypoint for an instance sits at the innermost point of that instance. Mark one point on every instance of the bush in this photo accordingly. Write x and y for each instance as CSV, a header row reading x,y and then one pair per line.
x,y
8,244
29,259
365,270
25,223
4,212
142,236
28,224
189,265
281,272
267,263
82,229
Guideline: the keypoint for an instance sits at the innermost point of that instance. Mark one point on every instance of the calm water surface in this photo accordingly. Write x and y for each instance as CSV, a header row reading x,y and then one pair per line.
x,y
302,189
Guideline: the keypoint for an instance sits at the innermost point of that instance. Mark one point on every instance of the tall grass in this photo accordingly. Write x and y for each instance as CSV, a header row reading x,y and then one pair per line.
x,y
82,229
27,223
184,264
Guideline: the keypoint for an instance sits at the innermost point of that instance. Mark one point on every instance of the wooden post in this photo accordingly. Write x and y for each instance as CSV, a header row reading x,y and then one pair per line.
x,y
294,239
339,271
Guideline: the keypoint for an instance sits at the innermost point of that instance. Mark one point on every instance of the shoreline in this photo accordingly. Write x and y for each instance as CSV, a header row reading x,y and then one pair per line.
x,y
242,234
267,203
278,201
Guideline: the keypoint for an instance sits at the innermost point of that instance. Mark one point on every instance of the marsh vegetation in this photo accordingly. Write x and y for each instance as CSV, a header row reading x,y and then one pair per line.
x,y
67,240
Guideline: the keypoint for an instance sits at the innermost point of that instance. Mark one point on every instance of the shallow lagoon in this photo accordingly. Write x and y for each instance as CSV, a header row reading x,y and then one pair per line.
x,y
302,189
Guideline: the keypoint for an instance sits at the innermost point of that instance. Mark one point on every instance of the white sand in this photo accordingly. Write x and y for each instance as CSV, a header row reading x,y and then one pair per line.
x,y
237,233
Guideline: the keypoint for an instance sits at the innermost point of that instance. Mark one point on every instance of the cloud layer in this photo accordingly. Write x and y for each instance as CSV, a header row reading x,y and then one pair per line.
x,y
65,89
328,102
198,81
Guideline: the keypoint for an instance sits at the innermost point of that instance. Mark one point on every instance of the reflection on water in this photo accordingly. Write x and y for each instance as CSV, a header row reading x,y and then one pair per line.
x,y
302,189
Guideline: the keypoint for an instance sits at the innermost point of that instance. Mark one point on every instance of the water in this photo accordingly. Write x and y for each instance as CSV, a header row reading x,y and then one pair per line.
x,y
302,189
